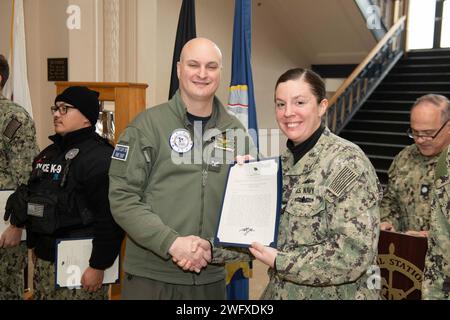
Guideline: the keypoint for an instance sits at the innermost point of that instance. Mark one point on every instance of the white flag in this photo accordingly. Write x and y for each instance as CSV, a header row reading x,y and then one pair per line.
x,y
17,85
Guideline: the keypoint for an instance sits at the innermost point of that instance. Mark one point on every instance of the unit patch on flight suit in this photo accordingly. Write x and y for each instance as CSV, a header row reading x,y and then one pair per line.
x,y
120,152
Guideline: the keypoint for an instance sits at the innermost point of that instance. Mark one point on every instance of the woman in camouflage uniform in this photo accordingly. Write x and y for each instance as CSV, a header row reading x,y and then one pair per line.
x,y
328,232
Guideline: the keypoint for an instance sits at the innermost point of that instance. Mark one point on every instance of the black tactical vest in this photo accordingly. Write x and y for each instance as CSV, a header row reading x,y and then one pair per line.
x,y
55,200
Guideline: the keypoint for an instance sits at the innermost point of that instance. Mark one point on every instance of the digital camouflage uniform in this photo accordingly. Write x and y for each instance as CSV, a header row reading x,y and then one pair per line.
x,y
407,201
44,286
17,150
436,284
328,232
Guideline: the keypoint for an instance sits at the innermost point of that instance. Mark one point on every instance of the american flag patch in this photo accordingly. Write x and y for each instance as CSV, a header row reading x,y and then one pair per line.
x,y
342,180
12,128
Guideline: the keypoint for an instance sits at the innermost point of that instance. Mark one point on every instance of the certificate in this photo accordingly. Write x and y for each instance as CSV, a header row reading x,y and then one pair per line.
x,y
72,259
4,195
251,204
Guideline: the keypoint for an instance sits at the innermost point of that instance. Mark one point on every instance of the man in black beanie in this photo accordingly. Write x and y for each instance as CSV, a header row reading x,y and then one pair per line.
x,y
68,198
86,107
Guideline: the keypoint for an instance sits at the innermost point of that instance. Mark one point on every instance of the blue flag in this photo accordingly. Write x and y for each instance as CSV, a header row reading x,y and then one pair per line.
x,y
241,101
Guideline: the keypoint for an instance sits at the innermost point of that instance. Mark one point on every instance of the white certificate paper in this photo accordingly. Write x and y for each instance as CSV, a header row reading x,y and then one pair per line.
x,y
4,195
250,210
72,259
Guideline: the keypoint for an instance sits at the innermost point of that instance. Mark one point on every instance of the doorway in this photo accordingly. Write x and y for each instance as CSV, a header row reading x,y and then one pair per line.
x,y
428,24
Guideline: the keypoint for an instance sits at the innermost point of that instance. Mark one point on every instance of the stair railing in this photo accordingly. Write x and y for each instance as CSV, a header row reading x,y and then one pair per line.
x,y
355,90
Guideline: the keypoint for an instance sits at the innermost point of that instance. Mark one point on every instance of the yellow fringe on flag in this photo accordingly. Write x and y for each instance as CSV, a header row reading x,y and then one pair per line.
x,y
232,268
242,87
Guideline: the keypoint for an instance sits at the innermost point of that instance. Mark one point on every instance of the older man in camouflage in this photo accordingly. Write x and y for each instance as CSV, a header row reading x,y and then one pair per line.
x,y
17,150
406,206
436,284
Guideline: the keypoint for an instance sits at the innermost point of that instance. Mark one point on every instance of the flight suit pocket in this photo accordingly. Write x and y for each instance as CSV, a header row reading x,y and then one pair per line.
x,y
307,218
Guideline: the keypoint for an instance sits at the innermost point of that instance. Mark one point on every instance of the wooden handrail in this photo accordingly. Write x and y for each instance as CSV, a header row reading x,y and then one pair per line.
x,y
366,61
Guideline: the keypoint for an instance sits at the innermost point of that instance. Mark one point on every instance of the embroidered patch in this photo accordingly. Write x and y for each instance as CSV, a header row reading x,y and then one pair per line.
x,y
223,143
120,152
12,128
304,199
181,141
343,179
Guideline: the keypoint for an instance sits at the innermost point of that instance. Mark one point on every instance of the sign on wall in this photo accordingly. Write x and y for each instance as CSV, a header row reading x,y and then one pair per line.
x,y
57,69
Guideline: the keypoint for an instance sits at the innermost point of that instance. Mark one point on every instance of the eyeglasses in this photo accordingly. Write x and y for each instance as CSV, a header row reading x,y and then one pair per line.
x,y
62,108
415,135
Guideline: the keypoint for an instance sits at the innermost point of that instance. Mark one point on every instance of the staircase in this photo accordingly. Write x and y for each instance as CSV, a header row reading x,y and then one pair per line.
x,y
379,127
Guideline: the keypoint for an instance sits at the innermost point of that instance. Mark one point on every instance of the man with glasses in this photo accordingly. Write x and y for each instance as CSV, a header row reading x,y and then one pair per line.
x,y
68,197
17,149
406,206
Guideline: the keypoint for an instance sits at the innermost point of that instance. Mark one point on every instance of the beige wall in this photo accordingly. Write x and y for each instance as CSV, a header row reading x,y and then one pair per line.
x,y
47,37
82,43
285,34
5,26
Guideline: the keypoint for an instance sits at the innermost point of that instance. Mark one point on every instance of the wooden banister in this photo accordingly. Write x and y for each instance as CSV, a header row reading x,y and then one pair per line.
x,y
366,61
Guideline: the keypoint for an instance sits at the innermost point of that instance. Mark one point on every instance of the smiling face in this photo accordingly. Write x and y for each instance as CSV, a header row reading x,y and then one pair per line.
x,y
199,70
297,111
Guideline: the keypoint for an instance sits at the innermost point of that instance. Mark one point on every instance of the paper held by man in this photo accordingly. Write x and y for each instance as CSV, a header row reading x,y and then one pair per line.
x,y
250,210
72,259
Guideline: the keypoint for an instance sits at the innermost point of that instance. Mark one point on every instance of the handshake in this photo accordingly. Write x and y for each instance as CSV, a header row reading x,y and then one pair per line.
x,y
191,253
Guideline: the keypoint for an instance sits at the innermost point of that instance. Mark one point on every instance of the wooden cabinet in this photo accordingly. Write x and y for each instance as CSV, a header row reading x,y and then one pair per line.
x,y
129,99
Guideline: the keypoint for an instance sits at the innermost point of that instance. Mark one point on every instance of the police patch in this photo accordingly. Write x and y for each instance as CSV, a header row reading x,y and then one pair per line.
x,y
342,180
12,128
120,152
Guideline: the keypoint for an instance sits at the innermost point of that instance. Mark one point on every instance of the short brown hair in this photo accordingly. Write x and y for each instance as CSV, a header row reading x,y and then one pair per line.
x,y
313,79
4,70
437,100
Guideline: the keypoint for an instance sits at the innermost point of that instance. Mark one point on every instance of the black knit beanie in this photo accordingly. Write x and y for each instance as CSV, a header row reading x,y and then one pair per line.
x,y
83,99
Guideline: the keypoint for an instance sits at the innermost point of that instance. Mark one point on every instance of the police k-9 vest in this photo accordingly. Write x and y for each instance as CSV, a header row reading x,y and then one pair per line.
x,y
54,202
